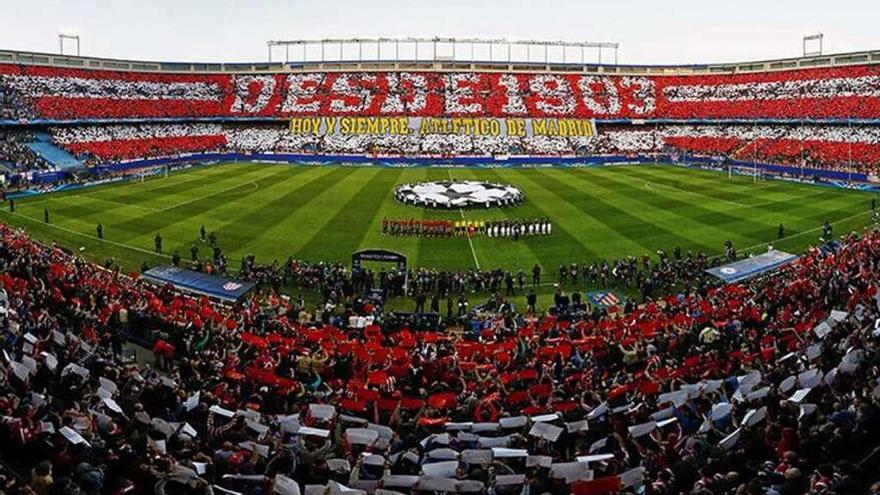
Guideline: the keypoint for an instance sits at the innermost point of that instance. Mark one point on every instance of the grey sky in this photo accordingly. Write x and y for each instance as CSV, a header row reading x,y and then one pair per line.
x,y
649,31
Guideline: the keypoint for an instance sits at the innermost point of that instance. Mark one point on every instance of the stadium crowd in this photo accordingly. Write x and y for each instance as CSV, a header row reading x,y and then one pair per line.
x,y
761,387
63,93
834,147
15,155
28,92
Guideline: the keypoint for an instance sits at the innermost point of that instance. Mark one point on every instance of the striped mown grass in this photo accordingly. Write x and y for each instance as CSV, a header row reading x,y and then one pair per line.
x,y
327,212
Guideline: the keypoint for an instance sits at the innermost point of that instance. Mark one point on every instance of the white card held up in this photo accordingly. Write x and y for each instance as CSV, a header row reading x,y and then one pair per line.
x,y
838,316
221,411
544,461
545,417
787,384
754,416
360,436
594,458
730,441
493,442
639,430
21,371
600,410
546,431
484,427
632,477
192,401
50,360
677,398
663,414
445,469
822,330
72,436
315,432
666,422
400,480
750,379
503,452
285,486
339,465
458,426
810,378
477,456
445,454
189,430
159,445
807,410
112,405
721,410
571,471
434,484
322,411
260,428
260,449
514,422
108,384
598,445
576,426
800,395
712,385
510,479
758,394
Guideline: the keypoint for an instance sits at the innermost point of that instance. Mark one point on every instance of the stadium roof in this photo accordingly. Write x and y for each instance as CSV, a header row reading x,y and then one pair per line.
x,y
69,61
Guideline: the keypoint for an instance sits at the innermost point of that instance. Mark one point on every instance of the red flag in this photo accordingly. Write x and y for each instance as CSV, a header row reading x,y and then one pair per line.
x,y
442,401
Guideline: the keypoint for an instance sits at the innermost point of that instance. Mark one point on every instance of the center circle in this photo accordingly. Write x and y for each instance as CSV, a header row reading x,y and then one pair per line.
x,y
452,194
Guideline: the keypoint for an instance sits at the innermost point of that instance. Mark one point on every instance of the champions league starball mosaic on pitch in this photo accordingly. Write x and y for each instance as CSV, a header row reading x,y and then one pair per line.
x,y
458,194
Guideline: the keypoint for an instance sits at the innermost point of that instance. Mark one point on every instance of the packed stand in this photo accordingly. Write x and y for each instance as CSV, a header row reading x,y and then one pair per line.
x,y
830,147
15,155
762,387
825,93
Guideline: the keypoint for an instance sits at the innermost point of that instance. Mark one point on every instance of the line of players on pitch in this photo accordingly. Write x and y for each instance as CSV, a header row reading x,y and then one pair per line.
x,y
451,228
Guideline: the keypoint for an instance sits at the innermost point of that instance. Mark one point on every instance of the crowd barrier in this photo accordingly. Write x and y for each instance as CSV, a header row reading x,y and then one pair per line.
x,y
478,162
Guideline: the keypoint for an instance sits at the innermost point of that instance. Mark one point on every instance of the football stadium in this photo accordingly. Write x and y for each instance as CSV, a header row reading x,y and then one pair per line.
x,y
383,267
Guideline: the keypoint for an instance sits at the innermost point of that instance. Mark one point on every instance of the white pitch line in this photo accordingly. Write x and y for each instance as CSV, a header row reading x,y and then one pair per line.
x,y
470,241
198,198
117,203
816,229
91,237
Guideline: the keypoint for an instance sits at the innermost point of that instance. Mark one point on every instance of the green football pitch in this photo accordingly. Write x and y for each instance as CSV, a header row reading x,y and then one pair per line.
x,y
327,212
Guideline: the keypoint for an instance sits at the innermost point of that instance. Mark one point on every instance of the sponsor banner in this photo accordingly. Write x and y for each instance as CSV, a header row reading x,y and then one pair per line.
x,y
751,267
420,126
199,283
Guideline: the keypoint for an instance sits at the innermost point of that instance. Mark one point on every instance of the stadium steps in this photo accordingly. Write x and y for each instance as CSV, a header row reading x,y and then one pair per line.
x,y
46,149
